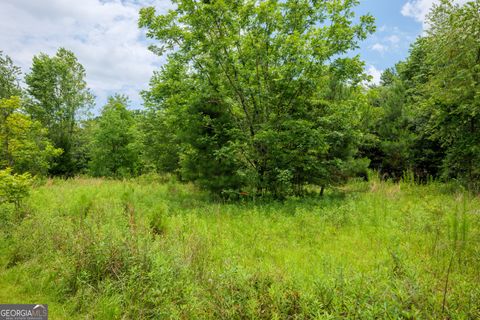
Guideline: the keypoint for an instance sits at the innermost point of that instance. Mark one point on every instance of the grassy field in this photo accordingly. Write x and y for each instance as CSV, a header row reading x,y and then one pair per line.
x,y
149,248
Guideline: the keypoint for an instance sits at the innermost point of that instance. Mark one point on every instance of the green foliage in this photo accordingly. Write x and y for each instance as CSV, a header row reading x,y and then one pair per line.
x,y
390,150
245,76
160,148
116,144
149,250
81,150
14,187
9,77
59,96
257,98
452,92
429,107
24,143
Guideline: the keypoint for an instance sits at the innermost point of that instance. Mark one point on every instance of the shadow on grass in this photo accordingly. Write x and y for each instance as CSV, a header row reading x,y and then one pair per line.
x,y
195,199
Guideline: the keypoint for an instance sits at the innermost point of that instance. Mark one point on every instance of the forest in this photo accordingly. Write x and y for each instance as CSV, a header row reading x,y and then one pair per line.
x,y
265,176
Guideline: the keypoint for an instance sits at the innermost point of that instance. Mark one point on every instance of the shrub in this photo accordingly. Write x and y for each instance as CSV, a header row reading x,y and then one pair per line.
x,y
14,187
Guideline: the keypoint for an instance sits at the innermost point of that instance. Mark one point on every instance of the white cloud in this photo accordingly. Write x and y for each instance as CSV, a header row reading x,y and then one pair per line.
x,y
375,74
390,40
393,39
103,35
419,9
379,47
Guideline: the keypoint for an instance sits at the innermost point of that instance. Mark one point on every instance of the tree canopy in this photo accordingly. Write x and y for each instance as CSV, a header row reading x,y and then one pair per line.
x,y
265,90
9,77
259,98
430,103
59,95
115,149
24,143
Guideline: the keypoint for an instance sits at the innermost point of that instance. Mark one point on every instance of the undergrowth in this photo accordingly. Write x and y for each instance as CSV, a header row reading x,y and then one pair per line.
x,y
155,249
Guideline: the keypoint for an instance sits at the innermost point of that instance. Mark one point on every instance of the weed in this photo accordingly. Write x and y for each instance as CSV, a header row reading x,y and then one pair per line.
x,y
149,248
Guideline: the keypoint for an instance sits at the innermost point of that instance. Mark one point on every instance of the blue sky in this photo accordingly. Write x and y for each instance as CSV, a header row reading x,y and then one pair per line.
x,y
104,36
395,32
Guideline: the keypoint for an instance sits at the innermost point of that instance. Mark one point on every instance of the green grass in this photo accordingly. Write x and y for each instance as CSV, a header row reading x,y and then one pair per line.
x,y
157,249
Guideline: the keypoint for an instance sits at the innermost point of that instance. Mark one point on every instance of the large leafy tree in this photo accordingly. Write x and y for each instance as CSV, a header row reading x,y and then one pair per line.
x,y
59,95
426,152
115,146
452,92
24,143
9,77
261,95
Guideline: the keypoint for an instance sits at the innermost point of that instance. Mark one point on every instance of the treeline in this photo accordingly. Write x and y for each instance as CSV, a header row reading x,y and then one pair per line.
x,y
258,99
426,112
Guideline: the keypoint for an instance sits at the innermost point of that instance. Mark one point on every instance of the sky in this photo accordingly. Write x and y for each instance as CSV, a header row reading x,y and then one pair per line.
x,y
105,37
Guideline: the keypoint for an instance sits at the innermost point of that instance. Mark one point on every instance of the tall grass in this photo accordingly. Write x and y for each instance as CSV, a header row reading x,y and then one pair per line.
x,y
150,248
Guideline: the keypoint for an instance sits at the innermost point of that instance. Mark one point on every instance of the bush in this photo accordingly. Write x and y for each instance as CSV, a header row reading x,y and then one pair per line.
x,y
14,187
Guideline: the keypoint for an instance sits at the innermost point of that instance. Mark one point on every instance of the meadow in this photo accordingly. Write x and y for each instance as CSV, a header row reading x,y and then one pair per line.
x,y
154,248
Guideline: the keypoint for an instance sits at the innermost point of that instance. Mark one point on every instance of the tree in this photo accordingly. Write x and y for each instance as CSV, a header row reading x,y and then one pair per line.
x,y
115,150
263,93
430,106
401,141
390,151
426,152
24,143
161,147
81,151
452,92
59,95
9,78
